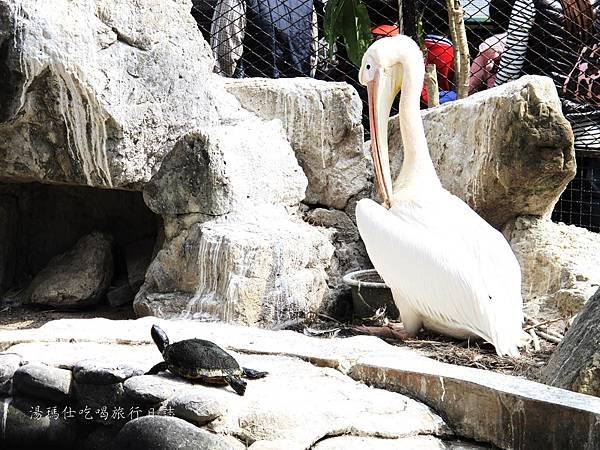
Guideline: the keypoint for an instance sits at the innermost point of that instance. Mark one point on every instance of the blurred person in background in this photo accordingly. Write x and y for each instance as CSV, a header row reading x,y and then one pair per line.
x,y
485,65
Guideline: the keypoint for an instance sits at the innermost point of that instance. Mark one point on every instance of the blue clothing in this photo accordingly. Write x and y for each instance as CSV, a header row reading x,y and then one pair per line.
x,y
278,39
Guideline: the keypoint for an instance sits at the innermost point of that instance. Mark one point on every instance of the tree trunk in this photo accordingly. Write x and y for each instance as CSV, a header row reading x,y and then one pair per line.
x,y
575,364
458,34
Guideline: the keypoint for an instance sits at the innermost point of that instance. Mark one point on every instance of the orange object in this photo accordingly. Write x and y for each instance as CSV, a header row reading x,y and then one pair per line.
x,y
385,30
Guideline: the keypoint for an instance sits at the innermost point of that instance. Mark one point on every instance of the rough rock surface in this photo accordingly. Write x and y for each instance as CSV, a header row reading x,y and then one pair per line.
x,y
79,277
322,121
575,364
217,171
310,395
560,264
95,93
514,158
274,269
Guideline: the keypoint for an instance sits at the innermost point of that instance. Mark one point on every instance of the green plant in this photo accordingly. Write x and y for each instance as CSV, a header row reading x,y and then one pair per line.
x,y
350,20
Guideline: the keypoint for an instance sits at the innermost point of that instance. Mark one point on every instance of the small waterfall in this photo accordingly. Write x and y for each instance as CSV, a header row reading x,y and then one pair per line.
x,y
245,273
7,401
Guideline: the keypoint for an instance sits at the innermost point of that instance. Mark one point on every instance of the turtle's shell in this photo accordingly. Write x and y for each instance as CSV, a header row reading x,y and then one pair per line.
x,y
200,359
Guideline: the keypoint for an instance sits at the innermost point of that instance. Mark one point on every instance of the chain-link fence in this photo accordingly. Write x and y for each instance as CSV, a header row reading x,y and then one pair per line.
x,y
506,39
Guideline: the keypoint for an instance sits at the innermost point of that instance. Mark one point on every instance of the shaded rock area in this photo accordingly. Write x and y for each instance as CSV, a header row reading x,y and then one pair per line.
x,y
560,265
309,400
575,364
77,278
514,158
74,245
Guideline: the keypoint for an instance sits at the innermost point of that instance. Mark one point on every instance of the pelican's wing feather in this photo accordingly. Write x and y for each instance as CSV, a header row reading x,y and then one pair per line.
x,y
439,261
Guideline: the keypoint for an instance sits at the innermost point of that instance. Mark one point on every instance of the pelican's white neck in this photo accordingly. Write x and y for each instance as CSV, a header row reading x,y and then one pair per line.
x,y
417,174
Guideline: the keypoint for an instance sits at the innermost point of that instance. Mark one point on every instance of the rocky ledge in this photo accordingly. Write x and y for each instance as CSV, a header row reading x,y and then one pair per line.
x,y
81,384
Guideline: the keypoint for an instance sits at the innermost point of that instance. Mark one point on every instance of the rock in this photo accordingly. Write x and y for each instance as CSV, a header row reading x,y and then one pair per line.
x,y
200,408
94,371
560,264
8,237
322,121
97,94
105,403
77,278
515,157
166,433
227,168
48,383
35,424
275,268
575,364
9,363
96,437
153,389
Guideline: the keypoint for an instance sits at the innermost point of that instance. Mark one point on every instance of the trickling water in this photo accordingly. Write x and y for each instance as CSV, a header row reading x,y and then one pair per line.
x,y
7,401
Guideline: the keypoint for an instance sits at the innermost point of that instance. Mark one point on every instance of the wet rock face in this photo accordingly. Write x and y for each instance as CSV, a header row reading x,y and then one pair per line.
x,y
514,157
575,364
274,265
97,93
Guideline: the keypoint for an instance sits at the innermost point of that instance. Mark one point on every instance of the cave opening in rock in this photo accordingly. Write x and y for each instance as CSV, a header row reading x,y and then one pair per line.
x,y
73,248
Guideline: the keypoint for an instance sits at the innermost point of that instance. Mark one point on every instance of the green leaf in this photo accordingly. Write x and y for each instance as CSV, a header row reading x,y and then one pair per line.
x,y
350,20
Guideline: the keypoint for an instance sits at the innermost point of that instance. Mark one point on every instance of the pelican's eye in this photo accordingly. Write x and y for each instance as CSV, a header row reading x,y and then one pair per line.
x,y
368,72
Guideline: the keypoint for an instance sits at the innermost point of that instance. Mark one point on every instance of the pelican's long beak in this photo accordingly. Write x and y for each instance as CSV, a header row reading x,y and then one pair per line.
x,y
382,90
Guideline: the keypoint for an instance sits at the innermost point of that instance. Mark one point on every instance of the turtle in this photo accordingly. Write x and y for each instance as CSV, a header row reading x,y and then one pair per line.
x,y
202,361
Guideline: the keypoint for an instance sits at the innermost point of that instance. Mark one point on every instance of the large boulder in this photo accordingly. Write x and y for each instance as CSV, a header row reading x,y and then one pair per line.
x,y
575,364
506,152
322,121
560,264
79,277
232,249
96,92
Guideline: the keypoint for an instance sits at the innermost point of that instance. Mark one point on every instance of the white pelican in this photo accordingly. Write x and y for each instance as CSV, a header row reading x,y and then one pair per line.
x,y
448,269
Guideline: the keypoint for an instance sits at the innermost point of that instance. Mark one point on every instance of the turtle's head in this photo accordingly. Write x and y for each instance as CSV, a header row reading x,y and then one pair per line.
x,y
159,337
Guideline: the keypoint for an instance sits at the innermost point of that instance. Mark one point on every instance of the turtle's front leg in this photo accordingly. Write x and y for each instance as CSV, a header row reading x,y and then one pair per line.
x,y
160,367
253,374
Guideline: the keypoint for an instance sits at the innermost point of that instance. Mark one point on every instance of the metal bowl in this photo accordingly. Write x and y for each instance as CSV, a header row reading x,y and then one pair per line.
x,y
369,293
